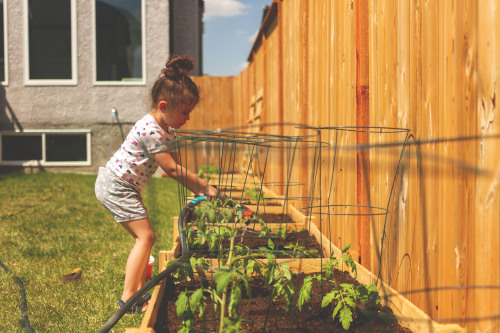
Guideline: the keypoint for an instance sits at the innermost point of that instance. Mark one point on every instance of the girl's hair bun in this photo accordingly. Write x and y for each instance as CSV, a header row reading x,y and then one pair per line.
x,y
178,67
174,85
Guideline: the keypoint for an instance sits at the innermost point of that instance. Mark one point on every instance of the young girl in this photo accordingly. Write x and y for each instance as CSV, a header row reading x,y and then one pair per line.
x,y
119,185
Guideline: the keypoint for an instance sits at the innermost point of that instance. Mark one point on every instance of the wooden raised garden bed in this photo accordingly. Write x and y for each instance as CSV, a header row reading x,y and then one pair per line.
x,y
410,317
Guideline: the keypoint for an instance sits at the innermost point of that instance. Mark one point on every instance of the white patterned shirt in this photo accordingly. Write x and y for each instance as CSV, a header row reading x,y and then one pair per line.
x,y
134,161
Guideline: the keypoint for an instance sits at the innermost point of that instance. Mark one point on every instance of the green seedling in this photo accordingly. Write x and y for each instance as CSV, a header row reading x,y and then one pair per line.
x,y
207,171
299,251
255,194
345,297
223,219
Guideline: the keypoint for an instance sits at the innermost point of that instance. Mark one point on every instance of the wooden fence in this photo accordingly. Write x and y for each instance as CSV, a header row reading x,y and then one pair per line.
x,y
432,67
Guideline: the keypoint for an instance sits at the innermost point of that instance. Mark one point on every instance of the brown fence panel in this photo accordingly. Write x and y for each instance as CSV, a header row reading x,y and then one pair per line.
x,y
425,68
217,109
434,69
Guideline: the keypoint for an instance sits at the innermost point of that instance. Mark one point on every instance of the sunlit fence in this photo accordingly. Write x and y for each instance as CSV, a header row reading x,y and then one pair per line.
x,y
434,70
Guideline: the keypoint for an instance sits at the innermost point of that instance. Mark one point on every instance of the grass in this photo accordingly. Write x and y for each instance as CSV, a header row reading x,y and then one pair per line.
x,y
51,224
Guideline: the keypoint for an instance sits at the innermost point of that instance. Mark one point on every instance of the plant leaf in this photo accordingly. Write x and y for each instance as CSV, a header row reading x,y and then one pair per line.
x,y
181,304
235,299
222,281
270,259
336,310
349,301
250,266
286,271
305,292
211,215
247,287
270,244
228,214
346,248
194,300
345,317
328,298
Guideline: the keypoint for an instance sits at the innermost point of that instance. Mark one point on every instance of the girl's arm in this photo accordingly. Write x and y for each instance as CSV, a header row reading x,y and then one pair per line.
x,y
195,184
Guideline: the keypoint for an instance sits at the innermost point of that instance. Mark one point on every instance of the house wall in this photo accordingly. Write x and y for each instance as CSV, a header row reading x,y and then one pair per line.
x,y
84,105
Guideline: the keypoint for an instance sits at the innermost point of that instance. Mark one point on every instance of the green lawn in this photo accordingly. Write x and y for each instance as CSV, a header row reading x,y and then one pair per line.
x,y
51,224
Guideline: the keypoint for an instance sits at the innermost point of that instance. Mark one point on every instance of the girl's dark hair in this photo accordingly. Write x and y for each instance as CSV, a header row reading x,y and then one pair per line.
x,y
174,85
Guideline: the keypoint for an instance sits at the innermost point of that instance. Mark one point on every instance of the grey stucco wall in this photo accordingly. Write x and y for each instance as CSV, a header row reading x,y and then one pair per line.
x,y
85,105
186,35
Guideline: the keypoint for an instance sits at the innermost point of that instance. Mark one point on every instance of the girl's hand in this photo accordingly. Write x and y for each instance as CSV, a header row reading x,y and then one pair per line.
x,y
212,191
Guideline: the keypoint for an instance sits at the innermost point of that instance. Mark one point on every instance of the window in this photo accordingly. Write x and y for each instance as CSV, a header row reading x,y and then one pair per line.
x,y
119,41
21,147
50,41
45,148
3,42
65,147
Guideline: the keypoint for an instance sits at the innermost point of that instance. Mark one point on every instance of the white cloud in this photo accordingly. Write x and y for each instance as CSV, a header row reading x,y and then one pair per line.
x,y
252,38
223,8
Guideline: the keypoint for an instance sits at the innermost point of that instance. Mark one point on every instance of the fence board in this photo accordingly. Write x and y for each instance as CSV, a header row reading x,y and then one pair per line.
x,y
427,127
447,216
487,268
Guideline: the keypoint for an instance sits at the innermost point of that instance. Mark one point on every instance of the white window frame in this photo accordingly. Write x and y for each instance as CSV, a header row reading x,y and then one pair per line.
x,y
74,65
43,134
141,82
5,82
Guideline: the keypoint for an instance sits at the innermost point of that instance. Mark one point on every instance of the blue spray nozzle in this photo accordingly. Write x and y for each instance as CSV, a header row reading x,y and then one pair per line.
x,y
197,201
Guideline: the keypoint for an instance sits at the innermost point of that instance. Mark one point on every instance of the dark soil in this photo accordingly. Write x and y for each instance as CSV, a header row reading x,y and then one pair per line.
x,y
277,218
246,199
264,315
262,202
251,239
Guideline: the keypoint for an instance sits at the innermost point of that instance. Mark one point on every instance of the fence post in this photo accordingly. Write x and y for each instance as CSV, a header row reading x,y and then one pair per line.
x,y
362,120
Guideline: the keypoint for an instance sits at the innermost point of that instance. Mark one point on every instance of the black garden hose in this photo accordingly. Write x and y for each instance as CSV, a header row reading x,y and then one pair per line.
x,y
24,304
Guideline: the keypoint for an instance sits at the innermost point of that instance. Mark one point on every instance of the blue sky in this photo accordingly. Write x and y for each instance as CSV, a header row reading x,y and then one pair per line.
x,y
230,30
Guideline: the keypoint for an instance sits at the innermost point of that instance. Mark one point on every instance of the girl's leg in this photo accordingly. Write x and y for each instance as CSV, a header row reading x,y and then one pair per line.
x,y
137,262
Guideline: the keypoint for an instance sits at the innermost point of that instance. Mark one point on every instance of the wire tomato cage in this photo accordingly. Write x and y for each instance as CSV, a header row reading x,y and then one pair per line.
x,y
367,155
257,168
239,160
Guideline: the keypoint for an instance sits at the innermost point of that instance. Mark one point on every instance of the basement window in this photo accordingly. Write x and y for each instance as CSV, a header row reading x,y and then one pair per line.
x,y
45,148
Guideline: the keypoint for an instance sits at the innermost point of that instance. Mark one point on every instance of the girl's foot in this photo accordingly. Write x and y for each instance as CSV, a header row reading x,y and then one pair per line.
x,y
144,302
139,307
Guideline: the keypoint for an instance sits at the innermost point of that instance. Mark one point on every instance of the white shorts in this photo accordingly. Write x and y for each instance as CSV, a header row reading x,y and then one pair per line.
x,y
120,198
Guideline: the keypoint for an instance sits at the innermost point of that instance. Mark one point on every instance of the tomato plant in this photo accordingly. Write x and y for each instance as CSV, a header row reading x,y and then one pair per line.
x,y
345,297
221,221
215,222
